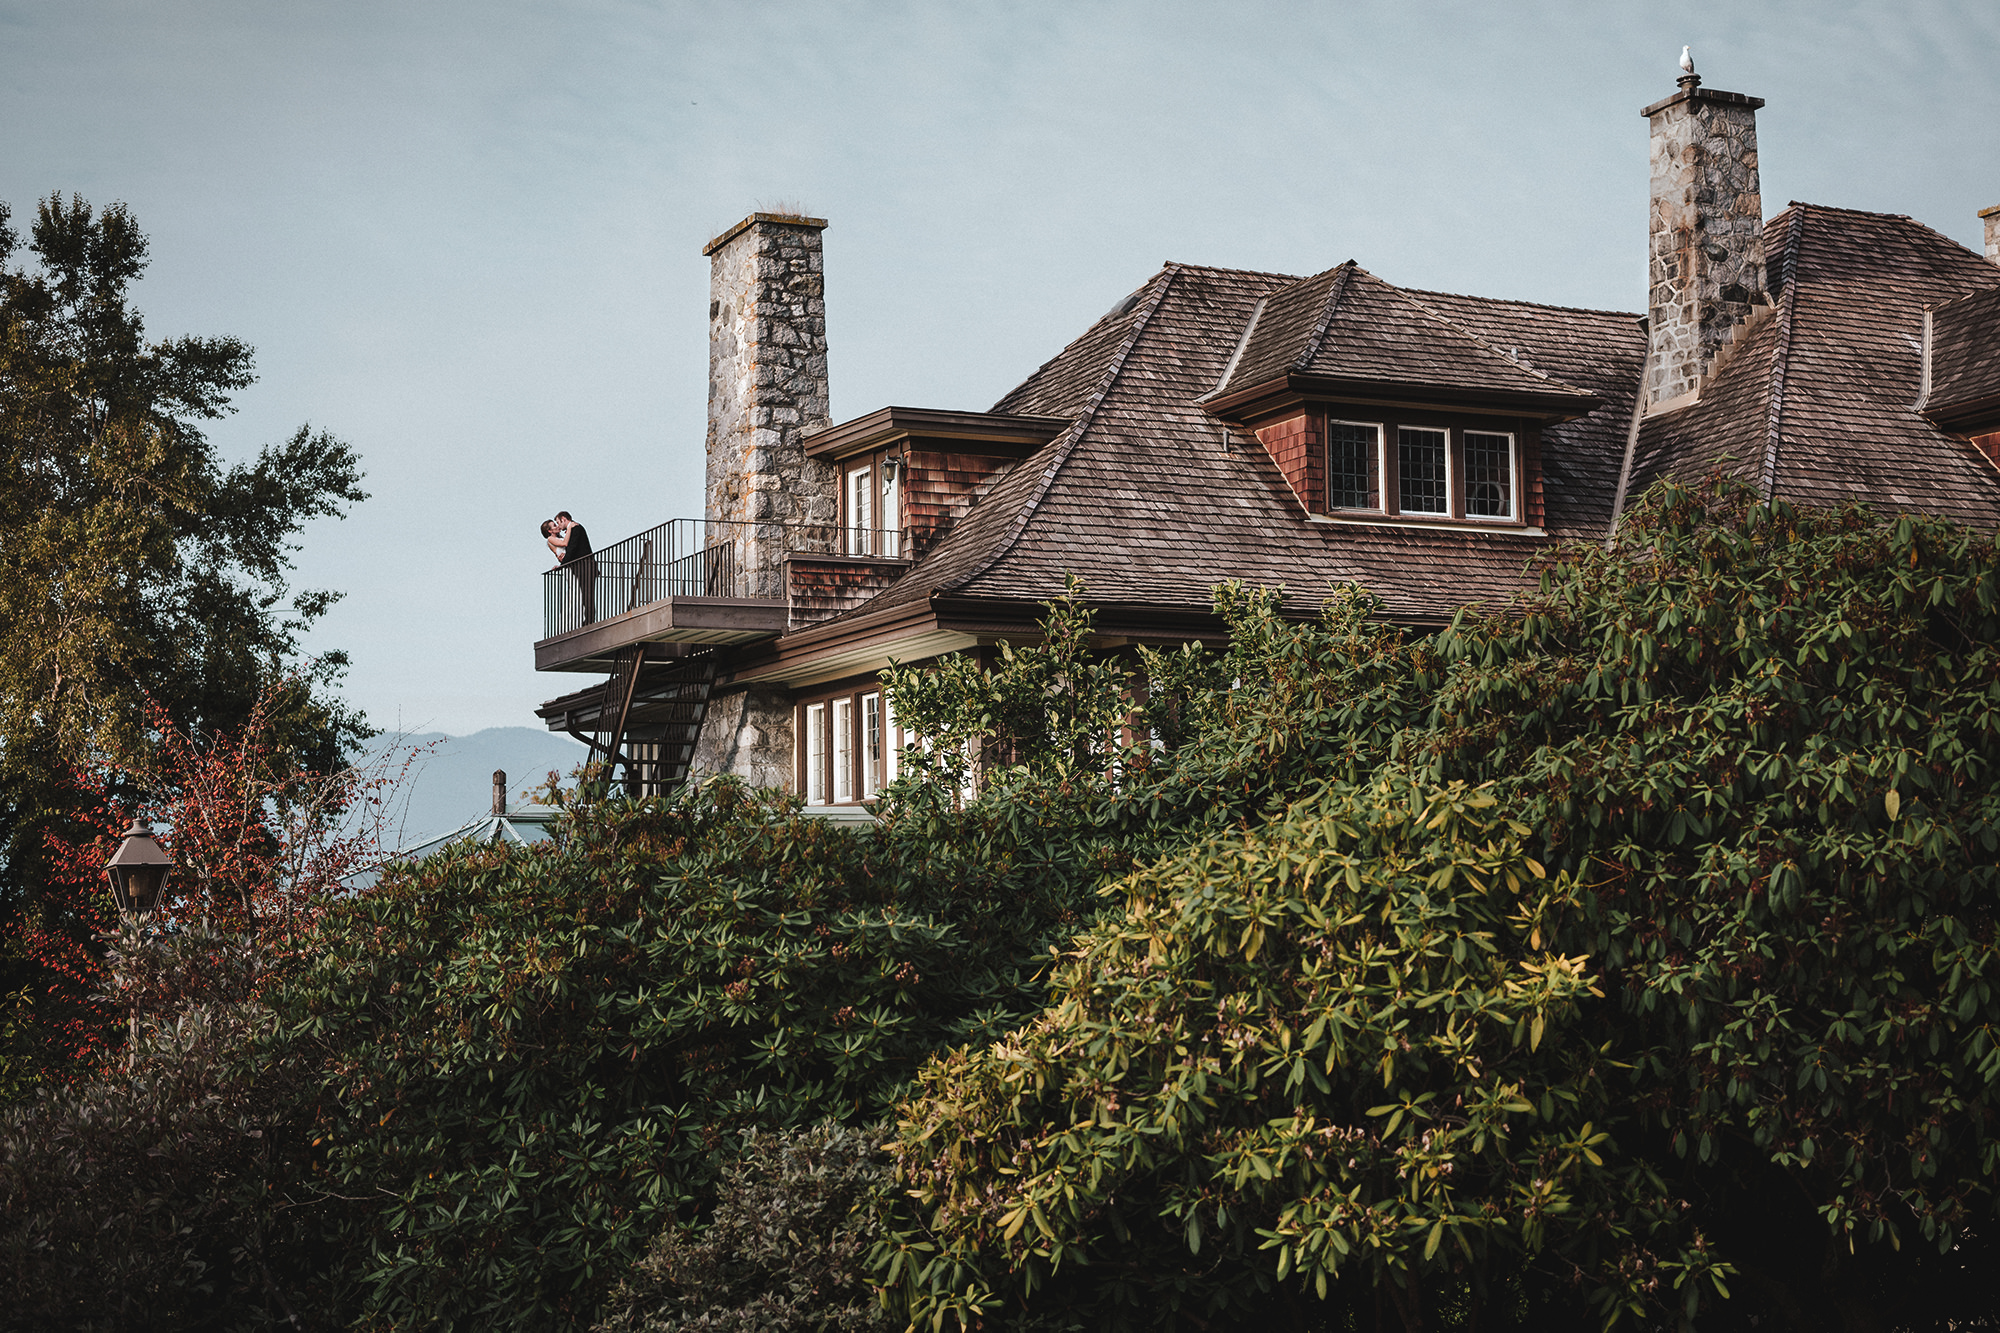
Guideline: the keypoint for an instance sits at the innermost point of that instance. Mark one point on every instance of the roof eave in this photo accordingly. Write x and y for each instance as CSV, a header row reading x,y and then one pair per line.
x,y
1010,432
1966,417
1547,407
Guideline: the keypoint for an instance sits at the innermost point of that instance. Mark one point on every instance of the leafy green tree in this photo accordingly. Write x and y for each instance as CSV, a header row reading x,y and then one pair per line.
x,y
134,564
1756,746
536,1061
1332,1056
786,1250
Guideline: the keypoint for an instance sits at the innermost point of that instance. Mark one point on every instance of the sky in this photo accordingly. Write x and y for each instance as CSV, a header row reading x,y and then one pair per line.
x,y
466,237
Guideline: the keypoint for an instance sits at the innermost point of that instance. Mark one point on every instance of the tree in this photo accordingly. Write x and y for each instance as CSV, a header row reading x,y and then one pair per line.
x,y
133,564
161,1188
1753,748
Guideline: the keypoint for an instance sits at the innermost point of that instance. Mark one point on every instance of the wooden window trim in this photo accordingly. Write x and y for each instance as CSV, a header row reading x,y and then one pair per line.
x,y
1390,481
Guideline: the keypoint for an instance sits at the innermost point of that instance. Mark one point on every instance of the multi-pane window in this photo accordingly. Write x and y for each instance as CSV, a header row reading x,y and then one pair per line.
x,y
871,508
861,511
871,743
849,747
892,747
1422,471
843,749
1489,474
816,755
891,539
1353,465
1395,468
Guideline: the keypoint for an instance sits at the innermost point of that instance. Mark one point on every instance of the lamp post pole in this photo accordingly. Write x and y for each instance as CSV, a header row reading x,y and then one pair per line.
x,y
138,874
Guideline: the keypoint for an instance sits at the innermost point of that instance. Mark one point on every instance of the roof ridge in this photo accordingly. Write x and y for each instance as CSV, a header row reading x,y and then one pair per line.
x,y
1508,300
1065,444
1781,355
1836,208
1241,272
1235,357
1341,272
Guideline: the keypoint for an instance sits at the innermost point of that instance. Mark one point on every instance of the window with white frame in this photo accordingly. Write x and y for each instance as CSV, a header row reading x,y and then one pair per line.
x,y
860,511
816,766
1353,465
889,517
849,747
1424,469
871,744
843,749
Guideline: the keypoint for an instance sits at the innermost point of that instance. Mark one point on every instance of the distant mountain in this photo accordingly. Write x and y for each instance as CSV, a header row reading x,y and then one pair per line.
x,y
450,781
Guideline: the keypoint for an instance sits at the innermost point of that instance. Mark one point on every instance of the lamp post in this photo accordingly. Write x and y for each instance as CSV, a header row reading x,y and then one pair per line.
x,y
138,874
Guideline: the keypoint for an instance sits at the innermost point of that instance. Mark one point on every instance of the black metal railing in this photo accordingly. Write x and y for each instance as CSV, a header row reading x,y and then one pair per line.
x,y
692,557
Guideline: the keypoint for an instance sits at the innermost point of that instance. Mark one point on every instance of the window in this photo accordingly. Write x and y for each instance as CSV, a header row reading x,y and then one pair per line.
x,y
816,765
1489,474
1437,469
849,747
871,744
1353,465
890,517
892,742
843,749
861,511
1422,471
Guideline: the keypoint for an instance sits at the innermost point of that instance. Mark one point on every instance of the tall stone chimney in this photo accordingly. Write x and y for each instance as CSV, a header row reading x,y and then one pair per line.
x,y
766,388
1992,220
1706,232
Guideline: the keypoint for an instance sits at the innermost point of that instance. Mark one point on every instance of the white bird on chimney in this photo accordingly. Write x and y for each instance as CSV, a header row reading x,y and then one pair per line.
x,y
1687,61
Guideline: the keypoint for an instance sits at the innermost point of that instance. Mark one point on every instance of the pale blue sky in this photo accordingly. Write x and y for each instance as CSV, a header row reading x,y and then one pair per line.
x,y
467,237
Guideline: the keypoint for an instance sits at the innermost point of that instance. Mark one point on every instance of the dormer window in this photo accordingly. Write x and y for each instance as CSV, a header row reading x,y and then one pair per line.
x,y
1423,471
1353,465
871,508
860,511
1489,474
1417,463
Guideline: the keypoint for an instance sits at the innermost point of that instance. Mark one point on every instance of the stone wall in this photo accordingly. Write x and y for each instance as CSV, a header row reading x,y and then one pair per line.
x,y
1706,232
747,733
1991,216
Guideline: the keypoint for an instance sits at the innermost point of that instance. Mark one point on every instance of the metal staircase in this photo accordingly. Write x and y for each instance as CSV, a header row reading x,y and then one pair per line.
x,y
644,720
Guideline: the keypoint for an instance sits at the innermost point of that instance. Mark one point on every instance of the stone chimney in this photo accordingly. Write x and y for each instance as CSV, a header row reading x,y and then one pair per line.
x,y
1991,216
766,388
1706,232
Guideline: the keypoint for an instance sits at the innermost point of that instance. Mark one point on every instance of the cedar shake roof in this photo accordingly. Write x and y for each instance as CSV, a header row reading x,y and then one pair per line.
x,y
1965,360
1151,499
1816,399
1348,327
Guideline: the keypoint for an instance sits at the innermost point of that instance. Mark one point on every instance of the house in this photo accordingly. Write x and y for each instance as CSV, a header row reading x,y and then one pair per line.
x,y
1222,424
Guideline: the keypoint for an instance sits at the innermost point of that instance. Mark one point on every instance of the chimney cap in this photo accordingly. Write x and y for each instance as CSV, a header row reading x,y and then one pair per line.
x,y
1989,212
1700,94
782,219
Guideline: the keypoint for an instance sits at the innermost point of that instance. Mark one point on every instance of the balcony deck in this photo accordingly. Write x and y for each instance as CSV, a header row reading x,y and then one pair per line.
x,y
687,581
702,620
